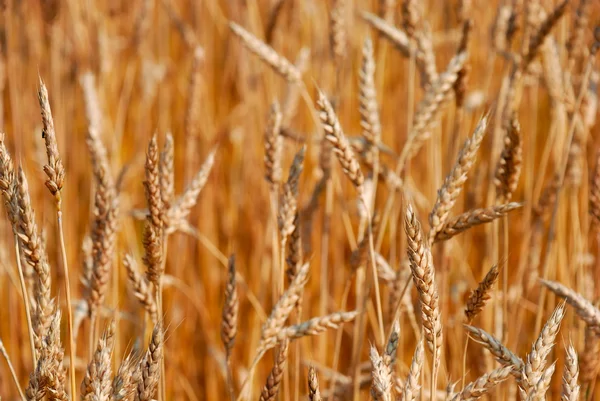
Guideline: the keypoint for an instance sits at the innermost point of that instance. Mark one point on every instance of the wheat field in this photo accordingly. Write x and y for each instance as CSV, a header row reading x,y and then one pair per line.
x,y
292,199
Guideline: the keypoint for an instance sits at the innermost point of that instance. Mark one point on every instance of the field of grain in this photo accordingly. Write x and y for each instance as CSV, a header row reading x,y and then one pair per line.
x,y
292,199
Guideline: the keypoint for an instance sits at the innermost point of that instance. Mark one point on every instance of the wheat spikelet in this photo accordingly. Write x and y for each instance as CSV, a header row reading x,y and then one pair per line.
x,y
423,272
460,86
584,308
576,42
536,359
313,326
150,366
54,169
594,195
481,294
472,218
391,345
7,183
542,32
281,311
538,391
167,175
276,61
338,34
412,386
106,206
429,108
313,385
448,193
590,356
182,207
152,184
273,147
230,309
508,168
34,253
501,27
570,388
289,199
341,146
381,377
271,388
425,56
153,253
368,107
295,251
96,384
141,288
411,17
51,369
496,348
399,39
483,385
124,382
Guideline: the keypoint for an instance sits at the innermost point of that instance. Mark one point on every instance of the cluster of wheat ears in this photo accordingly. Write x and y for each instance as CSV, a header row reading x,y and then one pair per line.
x,y
398,311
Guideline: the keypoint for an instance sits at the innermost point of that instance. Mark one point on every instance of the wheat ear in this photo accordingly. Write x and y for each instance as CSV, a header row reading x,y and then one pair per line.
x,y
412,385
141,288
481,294
97,382
56,176
584,308
341,146
448,193
150,366
535,364
271,388
475,390
381,377
472,218
277,62
570,388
